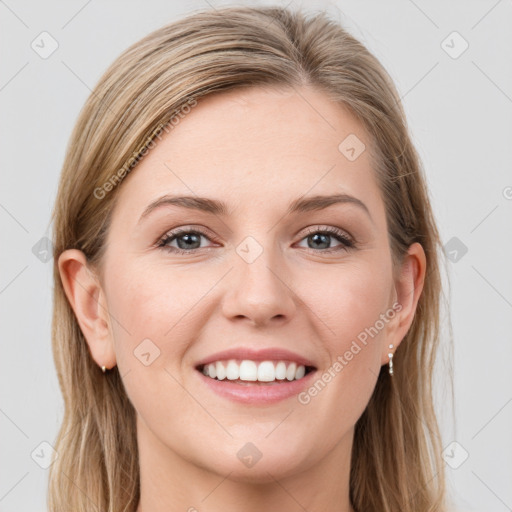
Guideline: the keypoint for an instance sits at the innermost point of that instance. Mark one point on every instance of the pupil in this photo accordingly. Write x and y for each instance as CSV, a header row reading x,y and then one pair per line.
x,y
323,239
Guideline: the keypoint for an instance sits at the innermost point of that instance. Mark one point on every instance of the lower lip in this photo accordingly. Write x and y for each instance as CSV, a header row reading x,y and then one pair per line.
x,y
254,393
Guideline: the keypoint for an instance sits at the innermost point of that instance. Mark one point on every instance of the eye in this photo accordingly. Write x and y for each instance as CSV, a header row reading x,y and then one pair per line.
x,y
321,239
187,240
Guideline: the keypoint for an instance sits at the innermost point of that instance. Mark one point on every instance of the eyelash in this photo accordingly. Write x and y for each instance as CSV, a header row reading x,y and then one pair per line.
x,y
347,243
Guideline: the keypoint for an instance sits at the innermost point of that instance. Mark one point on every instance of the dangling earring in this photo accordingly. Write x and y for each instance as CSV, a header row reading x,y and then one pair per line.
x,y
103,369
390,355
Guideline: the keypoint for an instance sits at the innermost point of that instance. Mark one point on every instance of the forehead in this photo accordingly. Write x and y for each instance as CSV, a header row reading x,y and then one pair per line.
x,y
258,147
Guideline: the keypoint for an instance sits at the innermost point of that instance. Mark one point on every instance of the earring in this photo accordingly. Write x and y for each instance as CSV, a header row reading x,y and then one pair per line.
x,y
103,369
390,355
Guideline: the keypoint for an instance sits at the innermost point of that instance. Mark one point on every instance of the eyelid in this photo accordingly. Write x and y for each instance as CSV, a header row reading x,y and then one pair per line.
x,y
329,229
175,232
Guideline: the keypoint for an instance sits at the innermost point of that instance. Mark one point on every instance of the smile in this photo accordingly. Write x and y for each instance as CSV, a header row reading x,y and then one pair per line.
x,y
255,371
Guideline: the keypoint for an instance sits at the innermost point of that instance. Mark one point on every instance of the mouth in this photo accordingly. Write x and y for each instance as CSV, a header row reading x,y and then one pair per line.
x,y
255,383
255,373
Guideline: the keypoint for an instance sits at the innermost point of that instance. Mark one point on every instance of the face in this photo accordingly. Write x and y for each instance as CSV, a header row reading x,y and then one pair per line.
x,y
183,283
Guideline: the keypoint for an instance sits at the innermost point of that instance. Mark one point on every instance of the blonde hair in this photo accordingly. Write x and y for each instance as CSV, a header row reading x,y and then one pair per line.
x,y
396,459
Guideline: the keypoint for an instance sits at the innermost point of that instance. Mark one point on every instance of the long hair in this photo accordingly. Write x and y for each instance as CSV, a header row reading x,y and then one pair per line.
x,y
396,457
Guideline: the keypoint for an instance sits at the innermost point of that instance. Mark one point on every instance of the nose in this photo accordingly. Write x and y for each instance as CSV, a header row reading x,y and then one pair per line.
x,y
259,292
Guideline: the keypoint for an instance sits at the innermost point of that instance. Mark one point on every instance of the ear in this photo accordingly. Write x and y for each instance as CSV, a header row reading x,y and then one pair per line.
x,y
408,288
86,297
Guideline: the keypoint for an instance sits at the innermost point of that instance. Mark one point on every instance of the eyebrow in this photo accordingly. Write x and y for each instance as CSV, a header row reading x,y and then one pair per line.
x,y
216,207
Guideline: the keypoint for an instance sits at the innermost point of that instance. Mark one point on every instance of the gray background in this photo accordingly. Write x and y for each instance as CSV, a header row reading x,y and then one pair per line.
x,y
459,109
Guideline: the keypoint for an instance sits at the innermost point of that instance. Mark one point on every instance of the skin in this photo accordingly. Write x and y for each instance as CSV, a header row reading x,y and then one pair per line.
x,y
257,150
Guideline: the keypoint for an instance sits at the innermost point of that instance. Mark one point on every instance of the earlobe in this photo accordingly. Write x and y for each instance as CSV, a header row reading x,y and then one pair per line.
x,y
408,286
86,297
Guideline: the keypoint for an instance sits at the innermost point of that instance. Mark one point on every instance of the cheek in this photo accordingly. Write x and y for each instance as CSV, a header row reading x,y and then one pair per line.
x,y
349,299
156,319
160,305
347,312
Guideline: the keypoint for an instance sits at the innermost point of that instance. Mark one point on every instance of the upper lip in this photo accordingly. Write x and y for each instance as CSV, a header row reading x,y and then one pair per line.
x,y
264,354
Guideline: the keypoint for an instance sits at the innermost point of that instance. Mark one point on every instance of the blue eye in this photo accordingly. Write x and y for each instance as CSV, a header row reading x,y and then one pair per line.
x,y
186,239
189,240
323,236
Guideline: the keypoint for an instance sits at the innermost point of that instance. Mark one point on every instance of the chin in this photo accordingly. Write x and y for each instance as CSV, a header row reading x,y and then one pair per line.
x,y
251,466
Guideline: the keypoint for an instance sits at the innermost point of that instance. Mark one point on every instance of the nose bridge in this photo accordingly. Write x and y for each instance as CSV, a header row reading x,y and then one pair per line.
x,y
258,289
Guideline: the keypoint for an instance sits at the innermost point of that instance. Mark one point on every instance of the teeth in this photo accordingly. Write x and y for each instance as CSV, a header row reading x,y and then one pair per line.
x,y
264,371
300,372
248,370
280,370
220,371
232,371
212,370
290,371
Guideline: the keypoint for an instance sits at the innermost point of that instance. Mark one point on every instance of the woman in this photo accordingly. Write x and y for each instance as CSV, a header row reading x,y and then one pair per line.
x,y
244,244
